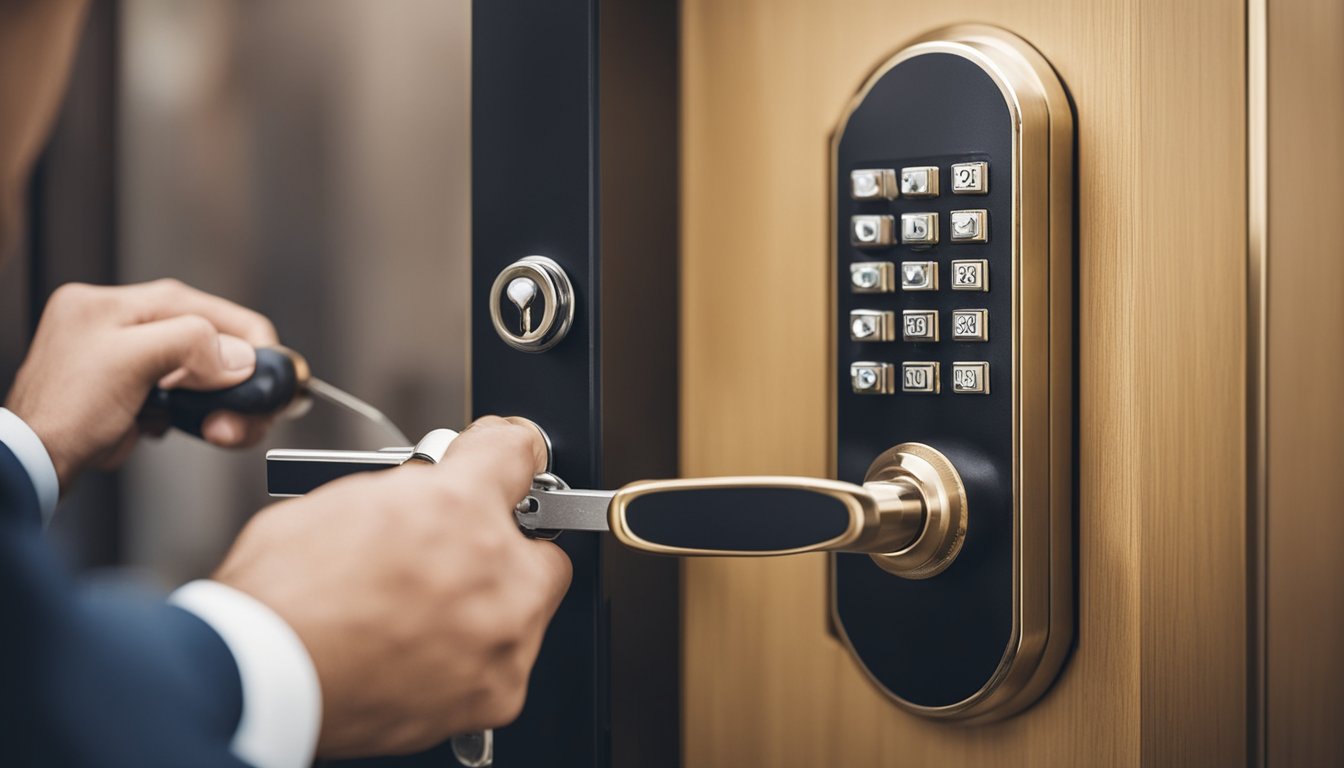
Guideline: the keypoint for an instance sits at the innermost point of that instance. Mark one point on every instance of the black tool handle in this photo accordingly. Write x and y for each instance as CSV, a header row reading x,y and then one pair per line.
x,y
270,389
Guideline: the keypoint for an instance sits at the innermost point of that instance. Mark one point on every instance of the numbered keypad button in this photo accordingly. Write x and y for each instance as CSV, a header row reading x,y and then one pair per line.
x,y
870,231
872,325
970,378
872,277
919,276
919,325
970,325
873,184
919,377
970,178
970,275
869,378
970,226
919,181
919,228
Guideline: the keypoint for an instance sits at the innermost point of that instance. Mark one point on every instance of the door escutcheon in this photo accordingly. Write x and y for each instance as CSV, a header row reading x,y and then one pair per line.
x,y
952,197
532,304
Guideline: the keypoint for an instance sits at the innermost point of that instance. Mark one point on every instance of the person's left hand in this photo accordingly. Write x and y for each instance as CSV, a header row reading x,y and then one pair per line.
x,y
99,350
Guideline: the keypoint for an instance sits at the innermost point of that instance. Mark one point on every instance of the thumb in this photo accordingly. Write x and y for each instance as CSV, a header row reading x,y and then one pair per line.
x,y
188,352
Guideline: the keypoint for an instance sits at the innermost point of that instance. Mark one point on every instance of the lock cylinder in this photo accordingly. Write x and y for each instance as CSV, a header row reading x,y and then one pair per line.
x,y
532,304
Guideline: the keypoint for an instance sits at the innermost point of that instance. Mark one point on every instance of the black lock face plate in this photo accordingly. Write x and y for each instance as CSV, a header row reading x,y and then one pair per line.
x,y
933,641
940,645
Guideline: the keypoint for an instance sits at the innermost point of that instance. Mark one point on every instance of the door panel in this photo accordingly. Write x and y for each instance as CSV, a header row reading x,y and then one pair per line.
x,y
1161,381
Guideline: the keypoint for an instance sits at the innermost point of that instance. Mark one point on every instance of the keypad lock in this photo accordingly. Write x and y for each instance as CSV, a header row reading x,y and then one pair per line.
x,y
952,263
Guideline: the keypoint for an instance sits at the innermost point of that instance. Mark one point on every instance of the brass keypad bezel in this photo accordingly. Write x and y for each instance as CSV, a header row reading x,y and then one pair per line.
x,y
1035,276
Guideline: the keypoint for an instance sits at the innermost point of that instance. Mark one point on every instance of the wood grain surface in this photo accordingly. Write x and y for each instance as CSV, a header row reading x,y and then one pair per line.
x,y
1158,675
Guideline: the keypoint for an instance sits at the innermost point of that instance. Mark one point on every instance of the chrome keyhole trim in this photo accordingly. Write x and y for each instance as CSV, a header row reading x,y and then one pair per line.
x,y
529,333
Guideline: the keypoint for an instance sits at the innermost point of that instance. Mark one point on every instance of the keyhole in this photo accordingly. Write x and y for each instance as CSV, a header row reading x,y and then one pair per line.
x,y
521,292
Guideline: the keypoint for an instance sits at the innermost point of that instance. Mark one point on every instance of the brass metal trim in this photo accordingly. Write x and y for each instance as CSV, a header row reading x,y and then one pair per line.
x,y
944,499
1042,375
1257,381
302,401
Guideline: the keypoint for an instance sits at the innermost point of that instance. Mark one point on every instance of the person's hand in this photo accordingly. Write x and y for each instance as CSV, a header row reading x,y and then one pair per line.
x,y
421,603
99,350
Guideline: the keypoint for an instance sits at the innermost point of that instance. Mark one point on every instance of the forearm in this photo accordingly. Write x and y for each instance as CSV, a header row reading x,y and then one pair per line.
x,y
230,669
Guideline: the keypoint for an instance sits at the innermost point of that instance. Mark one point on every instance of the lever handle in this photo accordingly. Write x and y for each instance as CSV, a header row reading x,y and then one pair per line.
x,y
762,516
277,380
910,514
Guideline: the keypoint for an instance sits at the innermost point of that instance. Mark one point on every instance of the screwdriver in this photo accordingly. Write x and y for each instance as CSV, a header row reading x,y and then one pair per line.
x,y
282,382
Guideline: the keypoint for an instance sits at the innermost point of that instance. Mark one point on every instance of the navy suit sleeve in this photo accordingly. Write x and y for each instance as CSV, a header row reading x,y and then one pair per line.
x,y
100,676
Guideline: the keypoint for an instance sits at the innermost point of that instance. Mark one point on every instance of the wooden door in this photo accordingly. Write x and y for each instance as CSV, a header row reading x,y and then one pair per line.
x,y
1161,672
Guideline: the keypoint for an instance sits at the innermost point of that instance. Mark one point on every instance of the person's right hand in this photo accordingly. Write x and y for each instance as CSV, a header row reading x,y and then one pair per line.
x,y
100,349
421,603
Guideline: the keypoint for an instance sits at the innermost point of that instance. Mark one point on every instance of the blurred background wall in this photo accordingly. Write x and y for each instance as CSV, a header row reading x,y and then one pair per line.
x,y
308,158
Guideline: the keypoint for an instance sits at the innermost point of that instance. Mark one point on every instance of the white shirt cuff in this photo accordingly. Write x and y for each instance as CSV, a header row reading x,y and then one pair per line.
x,y
282,698
30,452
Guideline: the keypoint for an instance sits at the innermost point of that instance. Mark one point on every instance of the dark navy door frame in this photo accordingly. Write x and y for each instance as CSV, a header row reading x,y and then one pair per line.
x,y
574,157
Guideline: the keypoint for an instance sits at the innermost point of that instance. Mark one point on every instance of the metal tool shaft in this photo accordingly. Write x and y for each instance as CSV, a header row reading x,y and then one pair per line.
x,y
346,401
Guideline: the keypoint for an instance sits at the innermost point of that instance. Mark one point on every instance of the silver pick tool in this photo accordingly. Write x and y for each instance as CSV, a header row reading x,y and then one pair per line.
x,y
348,402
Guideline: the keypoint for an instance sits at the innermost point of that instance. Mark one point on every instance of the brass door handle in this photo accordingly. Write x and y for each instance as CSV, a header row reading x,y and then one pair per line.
x,y
909,514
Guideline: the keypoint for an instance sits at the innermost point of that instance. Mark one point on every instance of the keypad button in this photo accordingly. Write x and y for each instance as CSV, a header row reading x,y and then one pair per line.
x,y
970,378
919,276
919,377
873,184
872,277
919,228
870,231
970,178
868,378
871,325
970,275
919,181
970,226
970,324
919,325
